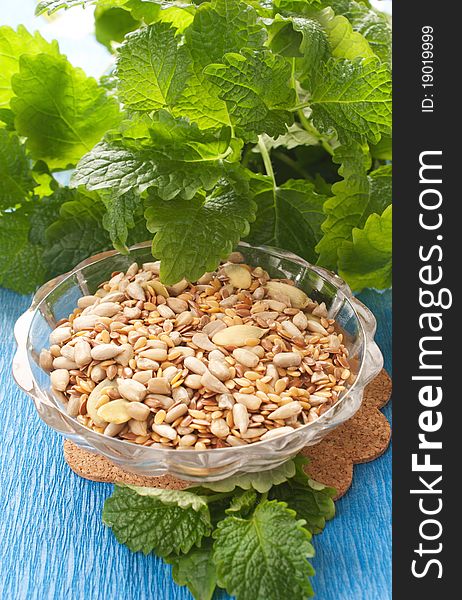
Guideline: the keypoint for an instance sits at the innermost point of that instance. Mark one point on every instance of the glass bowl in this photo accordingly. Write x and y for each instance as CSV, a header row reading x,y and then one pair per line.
x,y
58,298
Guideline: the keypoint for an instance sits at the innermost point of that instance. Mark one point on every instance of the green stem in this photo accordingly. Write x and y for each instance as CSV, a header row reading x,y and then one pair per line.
x,y
303,120
266,159
293,164
217,497
311,129
246,155
300,106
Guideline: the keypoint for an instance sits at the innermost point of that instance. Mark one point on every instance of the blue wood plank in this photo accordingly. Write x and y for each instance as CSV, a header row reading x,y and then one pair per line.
x,y
54,545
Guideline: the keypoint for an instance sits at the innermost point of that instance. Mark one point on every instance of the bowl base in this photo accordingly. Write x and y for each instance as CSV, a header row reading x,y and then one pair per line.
x,y
361,439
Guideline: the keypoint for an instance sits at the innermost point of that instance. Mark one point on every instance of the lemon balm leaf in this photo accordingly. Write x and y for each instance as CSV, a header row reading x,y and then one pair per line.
x,y
23,241
174,156
15,174
353,99
344,41
257,556
263,79
77,233
152,68
289,216
121,212
143,522
354,199
195,570
366,260
260,481
193,235
21,265
370,23
62,112
13,44
51,6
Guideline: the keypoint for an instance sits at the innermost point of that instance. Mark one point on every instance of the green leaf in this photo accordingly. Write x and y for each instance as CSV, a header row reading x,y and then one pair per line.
x,y
144,521
44,182
13,44
344,41
120,216
152,69
383,150
295,136
180,498
263,79
356,197
200,103
61,111
366,261
7,119
21,266
77,234
15,174
260,481
296,6
180,17
312,501
51,6
304,40
353,99
112,24
46,211
242,503
22,242
289,216
196,570
219,27
259,557
193,235
143,10
374,26
177,158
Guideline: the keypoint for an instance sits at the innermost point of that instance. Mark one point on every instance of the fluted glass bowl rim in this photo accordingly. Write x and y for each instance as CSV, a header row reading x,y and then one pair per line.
x,y
51,286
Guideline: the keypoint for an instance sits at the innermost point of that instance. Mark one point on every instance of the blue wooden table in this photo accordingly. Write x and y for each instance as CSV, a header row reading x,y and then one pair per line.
x,y
55,547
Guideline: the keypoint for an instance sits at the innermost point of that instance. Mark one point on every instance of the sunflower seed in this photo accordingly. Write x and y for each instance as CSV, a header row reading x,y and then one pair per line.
x,y
138,411
250,401
195,365
287,410
201,340
165,431
272,433
114,412
60,335
246,357
241,417
237,335
159,385
131,390
220,370
175,412
287,359
106,309
60,379
212,383
46,360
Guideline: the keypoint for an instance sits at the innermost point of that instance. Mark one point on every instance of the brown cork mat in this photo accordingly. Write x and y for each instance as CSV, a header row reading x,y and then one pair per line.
x,y
361,439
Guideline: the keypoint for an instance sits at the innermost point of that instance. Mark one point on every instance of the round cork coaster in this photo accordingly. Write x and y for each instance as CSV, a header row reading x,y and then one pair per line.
x,y
361,439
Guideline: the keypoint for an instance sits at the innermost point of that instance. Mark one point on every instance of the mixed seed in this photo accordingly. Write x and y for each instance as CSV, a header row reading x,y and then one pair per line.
x,y
232,359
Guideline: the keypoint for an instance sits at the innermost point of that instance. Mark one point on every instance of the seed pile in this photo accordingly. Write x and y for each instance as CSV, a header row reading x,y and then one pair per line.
x,y
232,359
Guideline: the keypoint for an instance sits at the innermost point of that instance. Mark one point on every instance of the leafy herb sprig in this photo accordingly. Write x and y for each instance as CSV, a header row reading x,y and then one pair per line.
x,y
222,120
248,535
